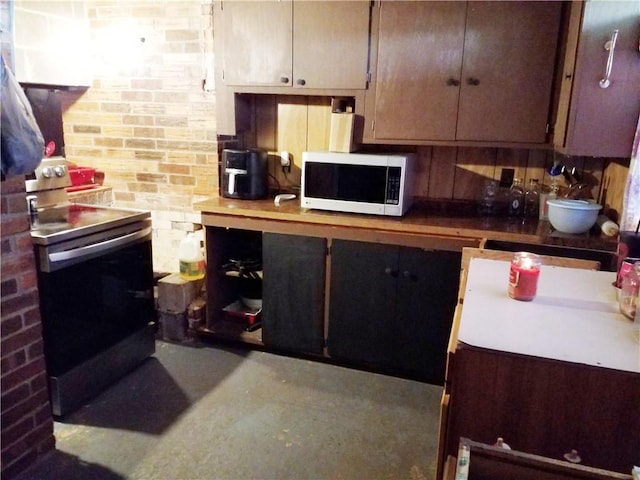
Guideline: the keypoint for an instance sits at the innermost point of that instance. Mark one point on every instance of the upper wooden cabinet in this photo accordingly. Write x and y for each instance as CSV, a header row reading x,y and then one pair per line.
x,y
596,121
446,72
299,44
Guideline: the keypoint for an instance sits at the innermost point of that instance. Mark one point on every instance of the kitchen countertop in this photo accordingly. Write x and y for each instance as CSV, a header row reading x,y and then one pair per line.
x,y
574,317
429,218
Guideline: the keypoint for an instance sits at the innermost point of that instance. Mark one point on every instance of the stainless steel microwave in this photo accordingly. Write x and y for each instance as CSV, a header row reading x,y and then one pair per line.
x,y
380,184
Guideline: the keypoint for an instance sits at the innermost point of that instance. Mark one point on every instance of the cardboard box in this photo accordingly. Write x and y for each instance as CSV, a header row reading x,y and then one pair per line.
x,y
173,325
341,132
175,294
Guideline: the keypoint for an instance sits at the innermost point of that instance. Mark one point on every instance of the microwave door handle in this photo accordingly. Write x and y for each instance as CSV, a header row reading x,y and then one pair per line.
x,y
232,183
98,247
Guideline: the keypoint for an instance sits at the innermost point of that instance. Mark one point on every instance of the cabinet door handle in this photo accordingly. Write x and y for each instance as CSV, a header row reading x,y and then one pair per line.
x,y
473,81
391,271
452,82
610,46
572,456
301,81
284,79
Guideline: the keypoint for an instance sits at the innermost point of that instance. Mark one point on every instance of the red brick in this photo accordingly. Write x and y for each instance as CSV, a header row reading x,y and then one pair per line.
x,y
19,302
13,432
31,316
24,242
15,395
42,415
5,246
13,185
13,361
14,413
39,382
15,224
10,325
9,287
17,458
29,280
17,204
23,374
35,350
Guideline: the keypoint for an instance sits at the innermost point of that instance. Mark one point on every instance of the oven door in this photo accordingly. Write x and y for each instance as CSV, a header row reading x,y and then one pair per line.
x,y
91,310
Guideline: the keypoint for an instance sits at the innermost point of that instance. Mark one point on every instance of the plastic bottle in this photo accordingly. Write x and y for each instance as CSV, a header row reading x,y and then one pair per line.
x,y
532,199
191,258
516,199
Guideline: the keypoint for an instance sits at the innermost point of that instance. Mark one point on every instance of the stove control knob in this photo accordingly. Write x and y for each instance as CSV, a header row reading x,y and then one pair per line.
x,y
47,172
59,170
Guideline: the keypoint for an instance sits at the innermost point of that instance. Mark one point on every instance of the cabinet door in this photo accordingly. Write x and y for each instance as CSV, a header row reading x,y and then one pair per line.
x,y
418,69
331,44
427,295
293,292
362,301
258,42
595,121
507,72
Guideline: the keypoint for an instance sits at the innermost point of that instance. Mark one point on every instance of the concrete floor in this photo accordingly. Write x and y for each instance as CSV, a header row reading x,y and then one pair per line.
x,y
224,413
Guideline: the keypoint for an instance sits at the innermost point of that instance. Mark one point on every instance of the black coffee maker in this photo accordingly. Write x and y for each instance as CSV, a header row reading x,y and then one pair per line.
x,y
244,174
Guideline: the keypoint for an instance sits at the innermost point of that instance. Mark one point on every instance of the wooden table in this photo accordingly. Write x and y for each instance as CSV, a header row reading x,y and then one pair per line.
x,y
558,373
574,317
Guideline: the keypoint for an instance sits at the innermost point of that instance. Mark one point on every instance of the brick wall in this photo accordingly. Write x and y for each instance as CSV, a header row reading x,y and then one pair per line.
x,y
27,425
148,121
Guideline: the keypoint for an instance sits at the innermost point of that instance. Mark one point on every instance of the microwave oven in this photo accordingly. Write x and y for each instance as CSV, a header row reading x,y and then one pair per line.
x,y
380,184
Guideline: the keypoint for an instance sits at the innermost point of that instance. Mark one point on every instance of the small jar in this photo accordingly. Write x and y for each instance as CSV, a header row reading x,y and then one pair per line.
x,y
629,291
523,276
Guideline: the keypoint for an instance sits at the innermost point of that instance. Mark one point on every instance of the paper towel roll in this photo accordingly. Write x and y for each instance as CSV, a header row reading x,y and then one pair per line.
x,y
608,227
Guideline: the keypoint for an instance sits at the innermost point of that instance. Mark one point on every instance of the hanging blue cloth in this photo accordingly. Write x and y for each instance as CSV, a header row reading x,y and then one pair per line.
x,y
22,142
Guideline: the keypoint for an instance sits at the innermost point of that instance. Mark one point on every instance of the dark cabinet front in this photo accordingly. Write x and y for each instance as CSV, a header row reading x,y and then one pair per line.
x,y
392,306
293,292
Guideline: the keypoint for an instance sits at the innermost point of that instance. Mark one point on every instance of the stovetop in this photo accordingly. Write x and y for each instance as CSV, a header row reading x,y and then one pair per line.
x,y
65,222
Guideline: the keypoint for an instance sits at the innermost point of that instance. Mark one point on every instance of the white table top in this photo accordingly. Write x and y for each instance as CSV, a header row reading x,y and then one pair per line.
x,y
574,317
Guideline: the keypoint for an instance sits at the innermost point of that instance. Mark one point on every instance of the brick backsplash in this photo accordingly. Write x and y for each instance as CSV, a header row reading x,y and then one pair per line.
x,y
27,425
147,121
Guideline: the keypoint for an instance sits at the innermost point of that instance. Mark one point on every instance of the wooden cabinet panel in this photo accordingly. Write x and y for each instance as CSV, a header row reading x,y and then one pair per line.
x,y
419,59
392,306
545,407
295,44
463,72
331,44
258,42
293,292
362,301
507,72
427,296
594,121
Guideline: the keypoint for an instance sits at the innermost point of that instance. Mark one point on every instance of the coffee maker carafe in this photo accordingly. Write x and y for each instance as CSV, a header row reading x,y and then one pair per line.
x,y
244,174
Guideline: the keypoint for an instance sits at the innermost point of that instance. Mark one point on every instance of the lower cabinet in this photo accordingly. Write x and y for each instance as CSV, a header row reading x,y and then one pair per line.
x,y
384,307
293,292
392,306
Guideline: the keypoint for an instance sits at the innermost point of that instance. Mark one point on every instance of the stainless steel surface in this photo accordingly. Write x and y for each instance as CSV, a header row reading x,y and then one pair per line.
x,y
62,223
51,174
62,254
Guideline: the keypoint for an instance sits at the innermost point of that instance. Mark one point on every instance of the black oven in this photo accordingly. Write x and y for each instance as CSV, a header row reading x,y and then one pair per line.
x,y
95,281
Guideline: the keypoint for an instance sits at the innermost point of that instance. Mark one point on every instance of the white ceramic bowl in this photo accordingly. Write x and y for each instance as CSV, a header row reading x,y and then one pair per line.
x,y
572,216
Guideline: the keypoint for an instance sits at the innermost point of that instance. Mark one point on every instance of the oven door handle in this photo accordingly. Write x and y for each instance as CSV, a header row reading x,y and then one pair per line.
x,y
98,247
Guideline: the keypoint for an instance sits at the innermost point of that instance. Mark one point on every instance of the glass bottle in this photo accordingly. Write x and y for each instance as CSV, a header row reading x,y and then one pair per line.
x,y
516,199
532,198
629,291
